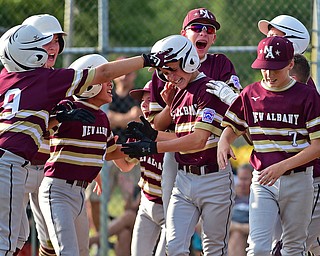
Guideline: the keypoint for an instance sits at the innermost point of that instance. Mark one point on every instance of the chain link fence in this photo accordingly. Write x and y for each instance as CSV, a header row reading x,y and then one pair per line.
x,y
129,27
132,27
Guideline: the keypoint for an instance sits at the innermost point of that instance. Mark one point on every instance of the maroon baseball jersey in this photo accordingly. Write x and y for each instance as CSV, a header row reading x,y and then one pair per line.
x,y
150,181
77,151
281,123
41,157
311,83
316,167
193,108
215,66
26,100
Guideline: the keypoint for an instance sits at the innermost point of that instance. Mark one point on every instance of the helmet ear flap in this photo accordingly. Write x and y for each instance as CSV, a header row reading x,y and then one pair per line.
x,y
61,43
192,62
161,76
22,50
37,59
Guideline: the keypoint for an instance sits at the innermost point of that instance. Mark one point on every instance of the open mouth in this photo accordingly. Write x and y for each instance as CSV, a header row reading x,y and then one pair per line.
x,y
201,44
271,80
109,92
51,57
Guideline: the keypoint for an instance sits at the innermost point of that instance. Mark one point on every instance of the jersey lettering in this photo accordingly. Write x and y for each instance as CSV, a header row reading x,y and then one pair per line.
x,y
186,111
90,130
276,117
150,160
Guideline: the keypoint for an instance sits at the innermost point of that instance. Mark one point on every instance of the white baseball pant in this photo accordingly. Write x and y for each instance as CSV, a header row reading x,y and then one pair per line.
x,y
63,207
210,197
148,226
13,175
314,227
292,197
168,177
35,175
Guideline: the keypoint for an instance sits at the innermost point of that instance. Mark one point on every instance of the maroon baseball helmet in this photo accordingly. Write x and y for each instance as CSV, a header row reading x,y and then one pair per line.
x,y
200,15
138,93
273,53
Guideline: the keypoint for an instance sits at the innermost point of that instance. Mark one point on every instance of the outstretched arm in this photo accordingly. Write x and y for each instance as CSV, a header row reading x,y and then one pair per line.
x,y
107,72
194,141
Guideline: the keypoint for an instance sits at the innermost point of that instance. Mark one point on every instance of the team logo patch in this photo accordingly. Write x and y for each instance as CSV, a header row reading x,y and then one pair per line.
x,y
208,115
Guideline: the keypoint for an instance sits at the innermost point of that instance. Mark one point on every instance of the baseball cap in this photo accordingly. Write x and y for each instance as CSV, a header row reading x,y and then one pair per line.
x,y
138,93
199,15
273,53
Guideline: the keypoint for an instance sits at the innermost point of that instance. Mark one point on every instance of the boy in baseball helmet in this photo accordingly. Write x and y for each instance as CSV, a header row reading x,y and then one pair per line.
x,y
286,140
201,189
28,94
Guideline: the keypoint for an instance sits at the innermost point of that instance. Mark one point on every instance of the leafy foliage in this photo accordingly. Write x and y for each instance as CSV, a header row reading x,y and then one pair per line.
x,y
141,23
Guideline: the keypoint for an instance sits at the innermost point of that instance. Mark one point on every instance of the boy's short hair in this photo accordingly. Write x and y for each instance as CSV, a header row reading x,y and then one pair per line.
x,y
301,68
273,53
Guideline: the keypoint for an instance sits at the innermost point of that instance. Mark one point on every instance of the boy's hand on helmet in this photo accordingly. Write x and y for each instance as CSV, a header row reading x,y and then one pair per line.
x,y
157,59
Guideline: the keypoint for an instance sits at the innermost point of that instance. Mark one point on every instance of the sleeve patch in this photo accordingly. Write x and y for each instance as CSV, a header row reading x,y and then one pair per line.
x,y
208,115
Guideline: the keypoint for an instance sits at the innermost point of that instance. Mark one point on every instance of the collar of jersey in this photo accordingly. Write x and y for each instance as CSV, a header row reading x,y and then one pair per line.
x,y
199,76
281,89
203,59
88,104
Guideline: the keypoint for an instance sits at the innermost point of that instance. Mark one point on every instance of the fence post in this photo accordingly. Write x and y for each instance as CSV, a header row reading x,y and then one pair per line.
x,y
68,27
315,54
104,198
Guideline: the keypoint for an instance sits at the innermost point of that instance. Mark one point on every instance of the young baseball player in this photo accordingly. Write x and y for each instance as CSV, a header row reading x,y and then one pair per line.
x,y
200,26
24,115
149,224
45,23
291,28
77,147
301,73
201,190
282,116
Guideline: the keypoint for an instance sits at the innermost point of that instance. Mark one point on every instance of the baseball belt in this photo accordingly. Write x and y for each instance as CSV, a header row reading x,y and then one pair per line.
x,y
79,183
199,170
295,171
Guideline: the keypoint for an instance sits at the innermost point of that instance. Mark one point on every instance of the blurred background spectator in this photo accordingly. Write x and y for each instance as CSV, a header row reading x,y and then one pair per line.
x,y
239,228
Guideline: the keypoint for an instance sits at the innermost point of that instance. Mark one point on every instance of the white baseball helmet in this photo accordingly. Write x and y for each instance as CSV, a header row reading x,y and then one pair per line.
x,y
293,29
89,61
182,49
21,48
47,23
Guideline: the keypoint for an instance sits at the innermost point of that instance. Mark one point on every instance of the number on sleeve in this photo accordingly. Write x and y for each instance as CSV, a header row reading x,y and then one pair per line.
x,y
11,103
